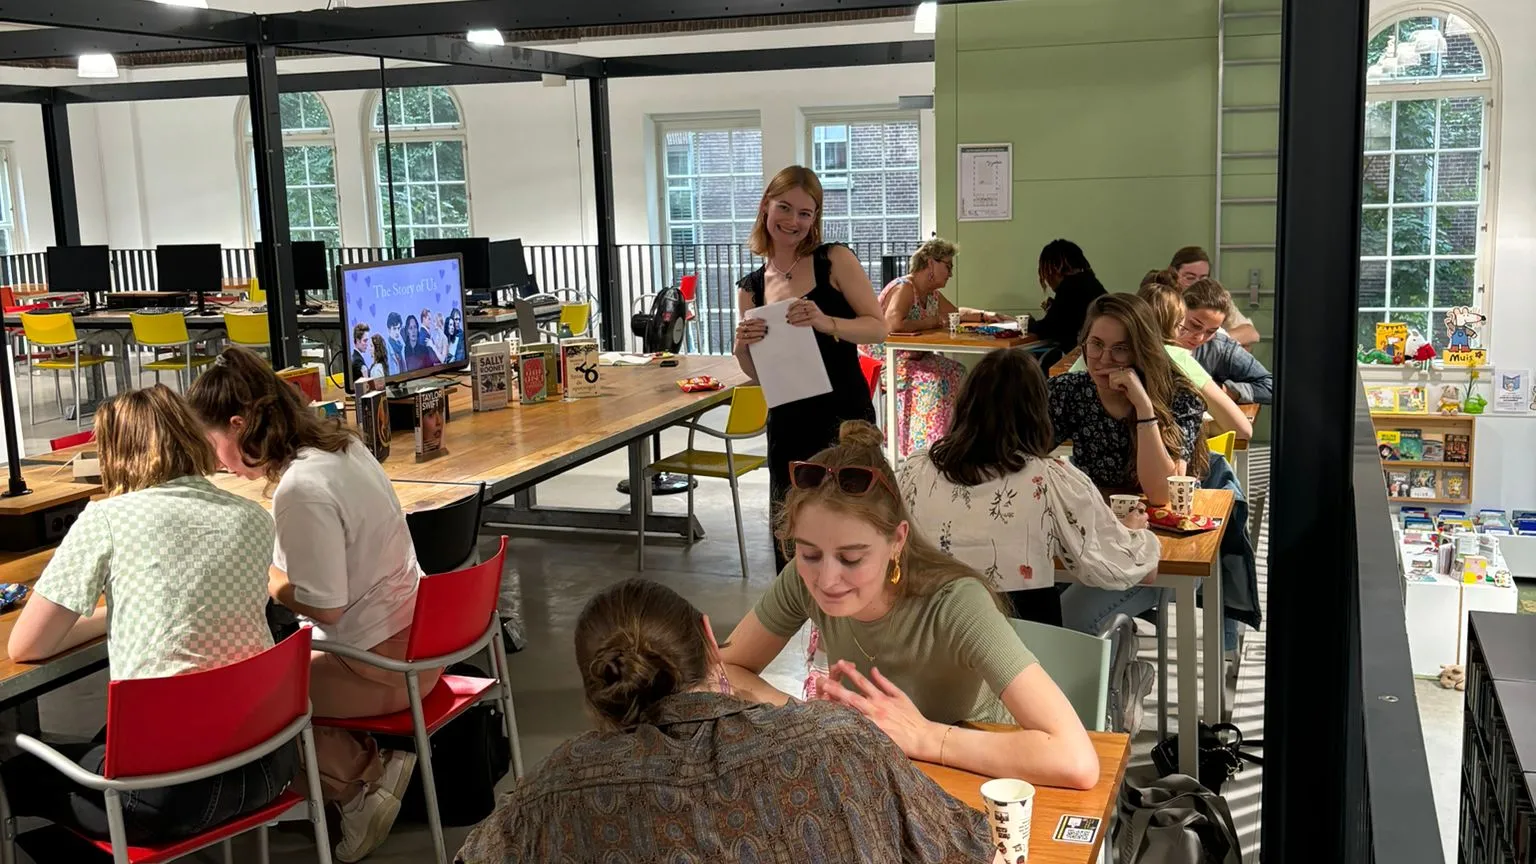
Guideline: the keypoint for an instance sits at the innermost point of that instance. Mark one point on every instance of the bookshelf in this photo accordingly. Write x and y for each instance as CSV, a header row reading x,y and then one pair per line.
x,y
1445,477
1498,807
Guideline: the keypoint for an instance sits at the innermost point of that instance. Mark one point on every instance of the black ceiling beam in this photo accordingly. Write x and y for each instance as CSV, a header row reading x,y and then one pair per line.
x,y
66,42
26,95
320,82
459,52
771,59
137,17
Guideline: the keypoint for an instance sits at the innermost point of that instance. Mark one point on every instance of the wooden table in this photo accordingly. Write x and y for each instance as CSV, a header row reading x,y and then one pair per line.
x,y
939,342
52,485
1186,561
413,496
1114,750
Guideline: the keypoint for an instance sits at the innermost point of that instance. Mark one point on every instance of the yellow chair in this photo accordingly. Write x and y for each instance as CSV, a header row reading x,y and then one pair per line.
x,y
253,291
167,331
576,316
56,332
748,419
248,330
1224,444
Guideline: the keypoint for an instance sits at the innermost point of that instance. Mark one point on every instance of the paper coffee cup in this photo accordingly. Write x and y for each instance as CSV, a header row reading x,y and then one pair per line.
x,y
1181,493
1123,504
954,322
1010,810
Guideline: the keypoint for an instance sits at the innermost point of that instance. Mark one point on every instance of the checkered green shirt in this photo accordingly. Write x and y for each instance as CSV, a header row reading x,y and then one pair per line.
x,y
184,568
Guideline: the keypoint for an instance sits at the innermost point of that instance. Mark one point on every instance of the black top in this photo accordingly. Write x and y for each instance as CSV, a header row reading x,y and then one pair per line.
x,y
1101,444
1063,322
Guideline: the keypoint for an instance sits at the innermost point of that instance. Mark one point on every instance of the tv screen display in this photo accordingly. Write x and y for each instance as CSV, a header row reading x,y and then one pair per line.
x,y
403,319
86,269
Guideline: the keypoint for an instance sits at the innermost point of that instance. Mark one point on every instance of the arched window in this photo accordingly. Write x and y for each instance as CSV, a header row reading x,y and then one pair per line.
x,y
1424,230
427,157
309,168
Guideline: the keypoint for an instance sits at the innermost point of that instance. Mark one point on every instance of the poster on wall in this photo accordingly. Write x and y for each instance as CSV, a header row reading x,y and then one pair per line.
x,y
985,182
1510,387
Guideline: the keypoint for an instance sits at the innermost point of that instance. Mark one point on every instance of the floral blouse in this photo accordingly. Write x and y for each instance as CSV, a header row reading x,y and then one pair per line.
x,y
919,310
1011,528
1101,444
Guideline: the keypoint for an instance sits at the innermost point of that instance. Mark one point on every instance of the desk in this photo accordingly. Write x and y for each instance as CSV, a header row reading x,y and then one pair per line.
x,y
939,342
1186,561
413,496
52,485
20,682
1113,748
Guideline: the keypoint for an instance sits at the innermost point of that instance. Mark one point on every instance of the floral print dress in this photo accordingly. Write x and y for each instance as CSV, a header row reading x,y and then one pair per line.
x,y
926,383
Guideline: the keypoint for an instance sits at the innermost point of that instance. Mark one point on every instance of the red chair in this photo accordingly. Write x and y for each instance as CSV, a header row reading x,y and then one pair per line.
x,y
873,370
74,440
455,618
165,731
689,288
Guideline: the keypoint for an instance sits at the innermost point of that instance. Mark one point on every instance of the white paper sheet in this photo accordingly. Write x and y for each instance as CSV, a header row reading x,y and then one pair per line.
x,y
788,363
985,182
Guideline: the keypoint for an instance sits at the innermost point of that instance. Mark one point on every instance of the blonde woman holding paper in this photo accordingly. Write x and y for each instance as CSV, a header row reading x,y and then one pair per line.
x,y
831,294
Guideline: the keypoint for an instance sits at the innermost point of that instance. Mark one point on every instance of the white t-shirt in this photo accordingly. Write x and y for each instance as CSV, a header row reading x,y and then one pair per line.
x,y
342,540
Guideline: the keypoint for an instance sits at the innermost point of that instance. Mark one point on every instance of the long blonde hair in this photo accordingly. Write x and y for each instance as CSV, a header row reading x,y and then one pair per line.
x,y
1162,381
924,567
793,177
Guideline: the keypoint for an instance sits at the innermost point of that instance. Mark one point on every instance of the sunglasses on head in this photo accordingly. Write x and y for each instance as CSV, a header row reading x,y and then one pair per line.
x,y
852,479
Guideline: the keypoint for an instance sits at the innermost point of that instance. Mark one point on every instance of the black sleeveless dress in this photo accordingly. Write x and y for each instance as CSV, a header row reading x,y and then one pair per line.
x,y
799,430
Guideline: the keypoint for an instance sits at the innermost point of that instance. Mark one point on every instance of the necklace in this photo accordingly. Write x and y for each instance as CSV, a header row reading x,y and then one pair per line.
x,y
787,274
867,656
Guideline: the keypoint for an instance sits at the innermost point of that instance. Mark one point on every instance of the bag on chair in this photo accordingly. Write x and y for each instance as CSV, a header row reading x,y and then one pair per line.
x,y
1175,820
470,755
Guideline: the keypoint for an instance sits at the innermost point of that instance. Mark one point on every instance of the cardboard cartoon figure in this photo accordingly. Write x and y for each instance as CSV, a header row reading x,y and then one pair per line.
x,y
1461,327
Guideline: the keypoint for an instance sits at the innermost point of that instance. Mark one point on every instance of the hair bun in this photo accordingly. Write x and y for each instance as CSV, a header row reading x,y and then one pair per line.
x,y
630,680
860,433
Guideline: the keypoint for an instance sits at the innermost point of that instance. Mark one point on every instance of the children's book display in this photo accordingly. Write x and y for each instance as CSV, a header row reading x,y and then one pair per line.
x,y
1424,456
431,405
1452,563
490,371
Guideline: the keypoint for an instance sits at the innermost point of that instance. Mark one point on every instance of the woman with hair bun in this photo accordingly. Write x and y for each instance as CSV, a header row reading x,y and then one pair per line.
x,y
682,770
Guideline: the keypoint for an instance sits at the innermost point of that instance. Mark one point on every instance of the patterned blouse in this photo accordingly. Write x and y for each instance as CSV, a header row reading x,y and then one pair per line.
x,y
718,779
1101,444
919,310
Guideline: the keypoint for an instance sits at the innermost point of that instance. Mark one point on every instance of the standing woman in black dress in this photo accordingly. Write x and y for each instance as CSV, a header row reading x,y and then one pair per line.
x,y
833,296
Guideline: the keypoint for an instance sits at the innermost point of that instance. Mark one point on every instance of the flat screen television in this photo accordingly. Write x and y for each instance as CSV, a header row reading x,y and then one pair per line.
x,y
196,268
403,319
83,269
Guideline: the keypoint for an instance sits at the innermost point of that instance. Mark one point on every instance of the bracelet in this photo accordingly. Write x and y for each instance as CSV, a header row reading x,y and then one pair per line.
x,y
1148,420
835,337
942,742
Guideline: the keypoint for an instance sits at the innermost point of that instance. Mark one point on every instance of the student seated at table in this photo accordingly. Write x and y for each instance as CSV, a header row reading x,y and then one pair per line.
x,y
184,567
343,560
996,500
677,757
926,382
1190,265
1208,306
1064,272
916,639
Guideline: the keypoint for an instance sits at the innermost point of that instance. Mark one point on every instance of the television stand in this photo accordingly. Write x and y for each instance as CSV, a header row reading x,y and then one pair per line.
x,y
407,389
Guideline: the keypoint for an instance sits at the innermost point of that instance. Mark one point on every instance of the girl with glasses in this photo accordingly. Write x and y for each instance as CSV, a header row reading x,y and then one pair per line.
x,y
916,639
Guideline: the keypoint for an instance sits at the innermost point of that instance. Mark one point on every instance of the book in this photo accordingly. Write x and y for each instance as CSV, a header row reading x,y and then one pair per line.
x,y
1389,444
535,363
1458,447
429,423
1434,447
578,369
489,367
305,379
1397,484
1421,484
1411,400
373,423
1381,400
1455,482
1410,446
1392,339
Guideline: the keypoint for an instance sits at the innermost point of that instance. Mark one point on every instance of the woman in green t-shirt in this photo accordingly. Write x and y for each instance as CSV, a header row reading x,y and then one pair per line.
x,y
916,640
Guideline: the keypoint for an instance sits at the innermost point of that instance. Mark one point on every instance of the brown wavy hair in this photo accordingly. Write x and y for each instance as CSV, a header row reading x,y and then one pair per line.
x,y
637,643
148,437
933,249
924,567
275,422
793,177
1167,302
1188,255
1002,419
1208,293
1160,277
1162,381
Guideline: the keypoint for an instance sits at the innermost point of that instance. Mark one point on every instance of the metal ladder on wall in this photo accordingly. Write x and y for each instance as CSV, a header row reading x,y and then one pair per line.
x,y
1245,105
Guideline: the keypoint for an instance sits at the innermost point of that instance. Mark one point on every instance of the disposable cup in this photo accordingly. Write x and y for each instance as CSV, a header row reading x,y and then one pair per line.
x,y
1181,494
1123,504
954,323
1010,810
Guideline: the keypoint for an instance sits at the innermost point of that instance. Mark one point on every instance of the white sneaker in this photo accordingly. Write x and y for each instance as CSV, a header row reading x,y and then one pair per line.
x,y
366,820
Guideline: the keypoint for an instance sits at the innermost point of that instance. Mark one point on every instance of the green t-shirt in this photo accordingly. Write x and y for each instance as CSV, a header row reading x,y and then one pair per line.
x,y
1183,360
952,652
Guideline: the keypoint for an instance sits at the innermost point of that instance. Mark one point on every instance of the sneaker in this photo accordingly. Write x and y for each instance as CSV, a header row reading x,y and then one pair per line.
x,y
1139,680
366,820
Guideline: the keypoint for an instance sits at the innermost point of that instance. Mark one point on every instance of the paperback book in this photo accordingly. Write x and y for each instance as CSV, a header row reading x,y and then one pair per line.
x,y
1397,484
1434,447
1389,444
373,417
1458,447
1411,400
305,379
579,367
1421,484
489,367
1410,446
535,368
1455,483
429,423
1381,399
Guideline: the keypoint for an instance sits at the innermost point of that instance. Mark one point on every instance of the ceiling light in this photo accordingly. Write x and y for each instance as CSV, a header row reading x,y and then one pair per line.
x,y
486,37
195,4
97,66
927,19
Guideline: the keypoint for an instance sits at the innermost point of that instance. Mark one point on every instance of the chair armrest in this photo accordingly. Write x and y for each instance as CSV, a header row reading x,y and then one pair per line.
x,y
404,666
55,760
717,434
360,655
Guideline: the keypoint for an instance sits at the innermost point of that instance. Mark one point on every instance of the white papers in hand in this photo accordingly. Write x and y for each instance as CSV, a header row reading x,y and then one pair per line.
x,y
788,363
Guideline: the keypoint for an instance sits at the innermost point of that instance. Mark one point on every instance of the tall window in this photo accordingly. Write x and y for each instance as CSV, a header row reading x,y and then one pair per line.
x,y
868,166
309,169
712,177
427,158
1424,228
10,238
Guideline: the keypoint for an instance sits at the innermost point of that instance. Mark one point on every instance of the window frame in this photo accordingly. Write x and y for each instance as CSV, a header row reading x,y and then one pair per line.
x,y
712,122
814,117
1486,87
11,177
373,138
298,138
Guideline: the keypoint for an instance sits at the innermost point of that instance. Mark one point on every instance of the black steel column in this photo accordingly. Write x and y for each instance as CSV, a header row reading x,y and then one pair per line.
x,y
61,174
276,260
610,302
1313,798
389,167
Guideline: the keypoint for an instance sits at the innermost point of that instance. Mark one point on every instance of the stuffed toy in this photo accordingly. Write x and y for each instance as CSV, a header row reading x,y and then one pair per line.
x,y
1453,677
1417,350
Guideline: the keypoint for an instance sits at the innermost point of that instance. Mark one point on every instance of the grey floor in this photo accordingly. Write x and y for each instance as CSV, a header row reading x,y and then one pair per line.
x,y
551,574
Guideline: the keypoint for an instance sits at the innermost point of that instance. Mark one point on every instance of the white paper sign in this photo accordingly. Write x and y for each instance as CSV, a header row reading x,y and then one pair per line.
x,y
986,182
788,363
1510,387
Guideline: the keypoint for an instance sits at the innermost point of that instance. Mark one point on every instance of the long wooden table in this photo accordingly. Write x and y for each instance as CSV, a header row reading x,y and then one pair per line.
x,y
1114,750
941,342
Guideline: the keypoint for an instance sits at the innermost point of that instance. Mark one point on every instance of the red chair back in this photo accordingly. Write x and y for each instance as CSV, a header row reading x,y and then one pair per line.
x,y
160,725
453,609
872,370
74,440
689,287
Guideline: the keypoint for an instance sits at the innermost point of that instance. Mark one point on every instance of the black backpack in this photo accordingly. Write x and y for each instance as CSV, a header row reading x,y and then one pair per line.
x,y
470,755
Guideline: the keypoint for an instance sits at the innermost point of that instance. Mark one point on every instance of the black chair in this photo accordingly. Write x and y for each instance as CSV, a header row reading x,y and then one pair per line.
x,y
446,537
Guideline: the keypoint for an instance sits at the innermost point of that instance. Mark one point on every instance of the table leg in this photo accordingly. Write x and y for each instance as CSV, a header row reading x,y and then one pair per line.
x,y
1162,667
888,376
1215,653
1241,457
639,485
1189,677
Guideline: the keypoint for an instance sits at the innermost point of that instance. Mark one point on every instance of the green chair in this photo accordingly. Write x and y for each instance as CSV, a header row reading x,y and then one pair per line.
x,y
1077,662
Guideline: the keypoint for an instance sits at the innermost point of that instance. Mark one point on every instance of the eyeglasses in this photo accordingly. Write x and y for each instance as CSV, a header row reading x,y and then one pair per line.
x,y
1095,348
948,265
1193,328
852,479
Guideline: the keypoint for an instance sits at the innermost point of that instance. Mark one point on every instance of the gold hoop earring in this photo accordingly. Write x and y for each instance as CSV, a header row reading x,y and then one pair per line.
x,y
895,570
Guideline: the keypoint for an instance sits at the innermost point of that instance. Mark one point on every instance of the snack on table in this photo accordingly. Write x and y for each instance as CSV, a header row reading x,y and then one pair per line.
x,y
1164,517
699,383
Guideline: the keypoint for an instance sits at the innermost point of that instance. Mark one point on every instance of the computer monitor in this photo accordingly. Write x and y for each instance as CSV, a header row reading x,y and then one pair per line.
x,y
476,253
310,271
509,268
390,300
83,269
196,268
